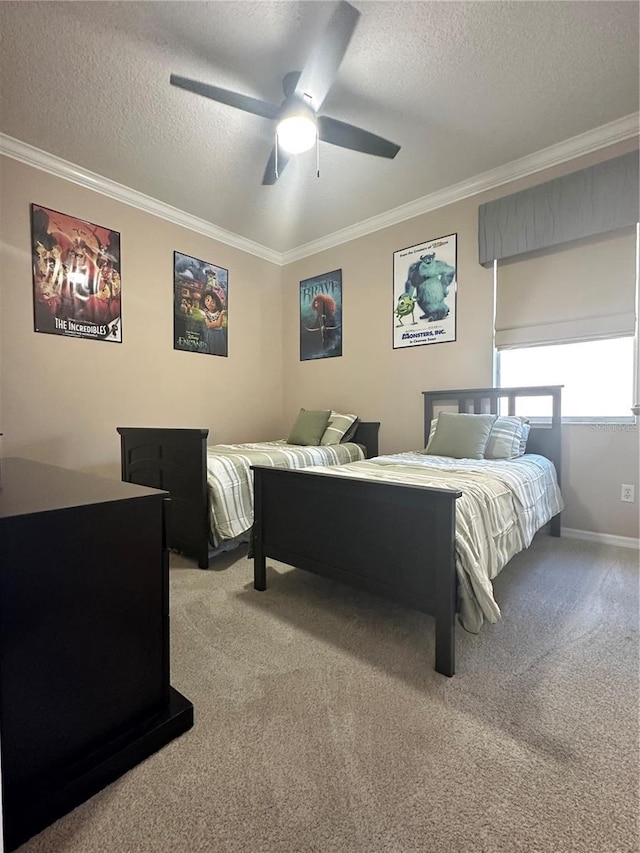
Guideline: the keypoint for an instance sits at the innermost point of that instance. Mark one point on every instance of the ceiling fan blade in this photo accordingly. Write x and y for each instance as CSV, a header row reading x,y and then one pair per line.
x,y
269,177
224,96
321,67
348,136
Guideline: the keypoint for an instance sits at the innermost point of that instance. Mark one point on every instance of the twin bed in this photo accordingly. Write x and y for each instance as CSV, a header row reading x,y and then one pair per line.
x,y
211,486
425,530
429,532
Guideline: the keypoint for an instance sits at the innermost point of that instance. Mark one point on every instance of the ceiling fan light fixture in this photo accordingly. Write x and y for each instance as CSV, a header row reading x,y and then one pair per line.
x,y
298,125
297,133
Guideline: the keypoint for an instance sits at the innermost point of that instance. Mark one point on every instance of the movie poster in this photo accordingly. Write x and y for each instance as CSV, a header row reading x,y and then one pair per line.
x,y
321,316
424,293
200,299
77,287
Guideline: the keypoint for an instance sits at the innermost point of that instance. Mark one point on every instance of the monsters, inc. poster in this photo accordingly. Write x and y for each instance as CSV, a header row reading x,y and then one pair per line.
x,y
424,293
321,316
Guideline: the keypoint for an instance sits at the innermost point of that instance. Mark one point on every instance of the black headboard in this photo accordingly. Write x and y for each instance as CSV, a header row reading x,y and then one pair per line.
x,y
544,438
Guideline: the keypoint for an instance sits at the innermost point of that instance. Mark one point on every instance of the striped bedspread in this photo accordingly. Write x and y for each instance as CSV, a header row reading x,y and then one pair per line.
x,y
503,504
230,478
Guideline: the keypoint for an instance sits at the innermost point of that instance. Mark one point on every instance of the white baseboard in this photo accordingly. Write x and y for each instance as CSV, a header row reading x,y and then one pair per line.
x,y
603,538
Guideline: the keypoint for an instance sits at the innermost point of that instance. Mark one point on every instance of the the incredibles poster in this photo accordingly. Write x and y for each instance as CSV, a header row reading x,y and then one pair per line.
x,y
200,306
321,316
77,288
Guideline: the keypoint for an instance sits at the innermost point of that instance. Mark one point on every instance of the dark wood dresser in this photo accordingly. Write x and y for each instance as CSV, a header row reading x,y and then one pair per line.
x,y
84,639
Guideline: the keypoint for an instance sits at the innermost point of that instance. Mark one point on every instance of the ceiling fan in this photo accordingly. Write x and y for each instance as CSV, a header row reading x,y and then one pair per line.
x,y
299,126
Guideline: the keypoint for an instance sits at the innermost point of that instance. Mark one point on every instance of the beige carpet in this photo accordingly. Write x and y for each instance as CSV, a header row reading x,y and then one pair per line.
x,y
322,726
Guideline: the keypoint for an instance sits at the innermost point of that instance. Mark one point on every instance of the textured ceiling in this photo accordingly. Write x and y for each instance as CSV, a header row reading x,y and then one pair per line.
x,y
463,87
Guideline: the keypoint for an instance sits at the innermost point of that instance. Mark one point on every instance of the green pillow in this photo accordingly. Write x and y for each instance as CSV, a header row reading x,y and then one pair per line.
x,y
461,436
309,427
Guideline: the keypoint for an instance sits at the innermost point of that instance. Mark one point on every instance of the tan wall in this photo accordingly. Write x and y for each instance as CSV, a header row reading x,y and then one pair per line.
x,y
380,383
372,379
62,398
597,459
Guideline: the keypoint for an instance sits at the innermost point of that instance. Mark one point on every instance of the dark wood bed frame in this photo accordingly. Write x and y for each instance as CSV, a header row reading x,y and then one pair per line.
x,y
175,460
392,540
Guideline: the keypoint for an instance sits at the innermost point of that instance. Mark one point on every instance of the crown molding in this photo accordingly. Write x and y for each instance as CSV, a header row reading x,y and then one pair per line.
x,y
586,143
601,137
60,168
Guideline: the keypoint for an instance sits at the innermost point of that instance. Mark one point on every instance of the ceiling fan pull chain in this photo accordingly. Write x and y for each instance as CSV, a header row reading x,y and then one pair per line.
x,y
317,156
276,160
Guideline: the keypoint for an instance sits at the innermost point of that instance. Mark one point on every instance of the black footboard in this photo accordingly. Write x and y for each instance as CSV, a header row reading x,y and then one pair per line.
x,y
396,541
174,460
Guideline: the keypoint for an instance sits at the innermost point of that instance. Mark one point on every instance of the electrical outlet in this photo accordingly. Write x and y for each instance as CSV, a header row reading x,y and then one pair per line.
x,y
627,493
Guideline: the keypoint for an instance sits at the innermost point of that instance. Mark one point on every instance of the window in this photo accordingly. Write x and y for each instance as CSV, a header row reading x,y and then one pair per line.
x,y
598,376
567,316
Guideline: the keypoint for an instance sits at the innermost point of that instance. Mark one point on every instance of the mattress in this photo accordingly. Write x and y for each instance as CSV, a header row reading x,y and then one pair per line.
x,y
230,479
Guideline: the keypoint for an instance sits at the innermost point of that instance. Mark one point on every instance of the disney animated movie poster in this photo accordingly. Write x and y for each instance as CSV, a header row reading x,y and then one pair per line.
x,y
200,299
321,316
424,293
77,288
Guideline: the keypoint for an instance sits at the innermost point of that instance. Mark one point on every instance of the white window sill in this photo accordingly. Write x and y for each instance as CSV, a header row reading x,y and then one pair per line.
x,y
598,423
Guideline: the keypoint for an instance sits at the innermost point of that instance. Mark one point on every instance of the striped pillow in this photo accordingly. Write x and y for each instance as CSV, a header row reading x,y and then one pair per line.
x,y
506,438
432,430
337,427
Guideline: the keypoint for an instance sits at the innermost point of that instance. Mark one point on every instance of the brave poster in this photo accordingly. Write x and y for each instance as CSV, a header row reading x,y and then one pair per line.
x,y
76,277
321,316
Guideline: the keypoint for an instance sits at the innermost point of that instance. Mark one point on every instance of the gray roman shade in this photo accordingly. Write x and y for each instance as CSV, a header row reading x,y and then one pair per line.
x,y
580,292
597,200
